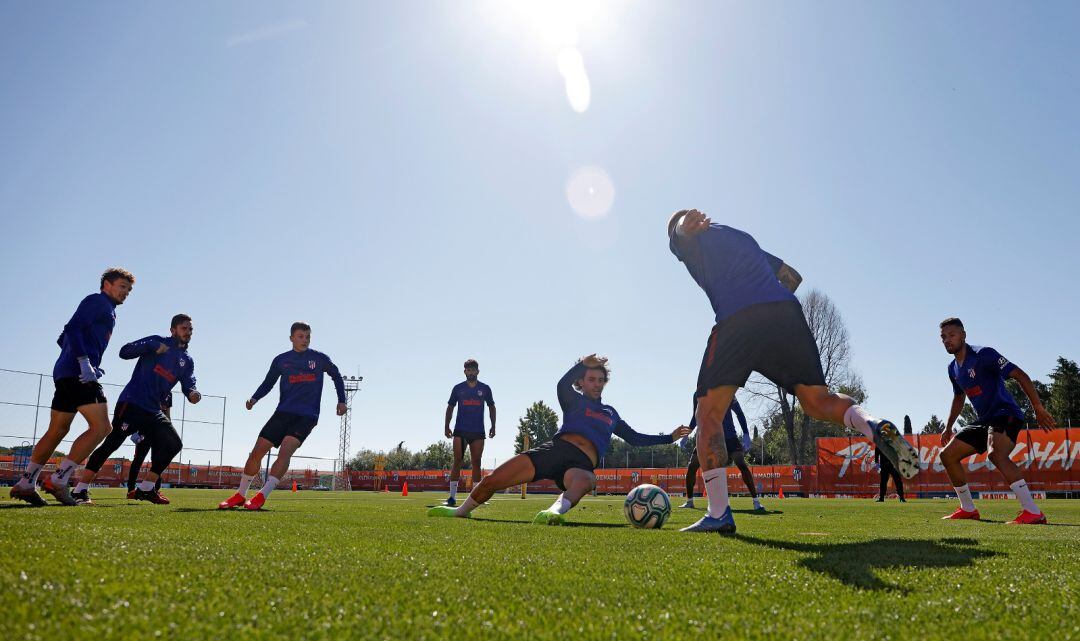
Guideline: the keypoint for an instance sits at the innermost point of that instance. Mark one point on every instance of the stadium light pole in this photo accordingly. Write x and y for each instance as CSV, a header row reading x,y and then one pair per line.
x,y
352,385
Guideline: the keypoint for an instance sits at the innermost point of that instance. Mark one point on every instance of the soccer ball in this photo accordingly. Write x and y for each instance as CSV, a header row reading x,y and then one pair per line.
x,y
647,506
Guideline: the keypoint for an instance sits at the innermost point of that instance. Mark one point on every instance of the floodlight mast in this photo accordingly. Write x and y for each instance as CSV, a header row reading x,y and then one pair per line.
x,y
343,481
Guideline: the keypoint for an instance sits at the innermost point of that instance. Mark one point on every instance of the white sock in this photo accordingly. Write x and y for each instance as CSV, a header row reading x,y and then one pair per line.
x,y
269,486
30,476
963,492
453,489
82,487
1020,489
468,506
146,486
858,419
716,488
245,484
560,506
63,473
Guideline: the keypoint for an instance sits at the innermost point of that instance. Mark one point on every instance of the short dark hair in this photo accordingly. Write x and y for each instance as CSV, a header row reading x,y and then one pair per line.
x,y
952,320
472,363
299,325
112,273
179,319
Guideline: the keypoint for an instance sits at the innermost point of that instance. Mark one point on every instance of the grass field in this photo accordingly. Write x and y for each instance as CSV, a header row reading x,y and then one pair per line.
x,y
373,566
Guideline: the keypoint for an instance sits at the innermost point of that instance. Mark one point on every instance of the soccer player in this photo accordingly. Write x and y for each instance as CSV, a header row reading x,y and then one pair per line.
x,y
469,397
887,470
76,374
163,361
142,449
301,371
735,448
571,456
979,373
760,327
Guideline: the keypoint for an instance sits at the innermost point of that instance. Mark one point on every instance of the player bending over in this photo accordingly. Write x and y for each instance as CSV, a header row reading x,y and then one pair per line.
x,y
760,327
735,448
469,397
163,361
979,373
301,372
76,374
571,456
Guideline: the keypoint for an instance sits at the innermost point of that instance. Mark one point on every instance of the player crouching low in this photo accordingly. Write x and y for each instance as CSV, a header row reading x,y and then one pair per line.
x,y
571,456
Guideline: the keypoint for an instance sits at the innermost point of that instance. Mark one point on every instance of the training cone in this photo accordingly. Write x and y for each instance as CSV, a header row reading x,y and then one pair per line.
x,y
781,493
294,486
405,488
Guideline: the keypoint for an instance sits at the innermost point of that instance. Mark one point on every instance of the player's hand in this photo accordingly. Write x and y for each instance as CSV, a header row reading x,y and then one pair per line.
x,y
491,433
341,409
946,436
87,373
592,361
250,403
680,432
194,396
448,433
692,223
162,348
1043,418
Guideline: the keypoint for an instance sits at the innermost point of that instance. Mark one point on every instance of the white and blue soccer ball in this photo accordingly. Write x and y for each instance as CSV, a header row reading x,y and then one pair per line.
x,y
647,506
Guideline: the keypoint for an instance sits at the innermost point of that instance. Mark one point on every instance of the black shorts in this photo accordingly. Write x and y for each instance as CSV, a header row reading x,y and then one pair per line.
x,y
70,394
734,445
469,437
554,458
129,418
282,424
978,435
772,339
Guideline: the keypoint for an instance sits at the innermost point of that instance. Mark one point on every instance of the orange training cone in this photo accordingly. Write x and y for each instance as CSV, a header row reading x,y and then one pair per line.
x,y
294,486
405,488
781,493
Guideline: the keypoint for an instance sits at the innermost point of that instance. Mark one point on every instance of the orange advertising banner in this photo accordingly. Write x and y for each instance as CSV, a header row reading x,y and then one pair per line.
x,y
845,466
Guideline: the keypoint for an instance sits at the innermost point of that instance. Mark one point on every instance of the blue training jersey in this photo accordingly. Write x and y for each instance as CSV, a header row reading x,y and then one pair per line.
x,y
732,269
301,375
595,420
86,334
729,424
156,374
981,377
470,403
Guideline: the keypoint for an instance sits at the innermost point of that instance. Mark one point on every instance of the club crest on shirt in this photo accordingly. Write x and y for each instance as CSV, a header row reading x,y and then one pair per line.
x,y
479,392
971,372
311,364
182,363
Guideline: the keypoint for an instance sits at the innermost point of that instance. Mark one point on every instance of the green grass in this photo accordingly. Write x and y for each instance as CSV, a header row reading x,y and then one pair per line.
x,y
373,566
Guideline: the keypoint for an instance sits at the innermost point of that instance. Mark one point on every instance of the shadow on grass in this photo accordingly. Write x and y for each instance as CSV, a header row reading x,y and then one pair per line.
x,y
567,524
854,563
757,512
16,506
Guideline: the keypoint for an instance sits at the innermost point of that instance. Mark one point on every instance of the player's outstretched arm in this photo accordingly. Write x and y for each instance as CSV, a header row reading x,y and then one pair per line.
x,y
1042,417
637,439
143,347
569,398
268,383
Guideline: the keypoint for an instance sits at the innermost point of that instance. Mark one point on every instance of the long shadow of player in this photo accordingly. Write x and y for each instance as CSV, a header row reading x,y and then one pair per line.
x,y
853,563
568,524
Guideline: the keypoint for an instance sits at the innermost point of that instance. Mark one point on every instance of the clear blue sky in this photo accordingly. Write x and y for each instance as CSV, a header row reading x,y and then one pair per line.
x,y
396,175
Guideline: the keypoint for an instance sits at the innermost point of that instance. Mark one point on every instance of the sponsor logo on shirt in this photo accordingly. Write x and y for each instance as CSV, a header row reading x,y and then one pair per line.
x,y
164,373
473,401
974,391
600,416
182,363
301,378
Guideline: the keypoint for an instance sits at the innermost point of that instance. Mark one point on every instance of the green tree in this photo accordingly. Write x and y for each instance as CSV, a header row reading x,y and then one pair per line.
x,y
438,456
540,423
907,424
934,426
1064,401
